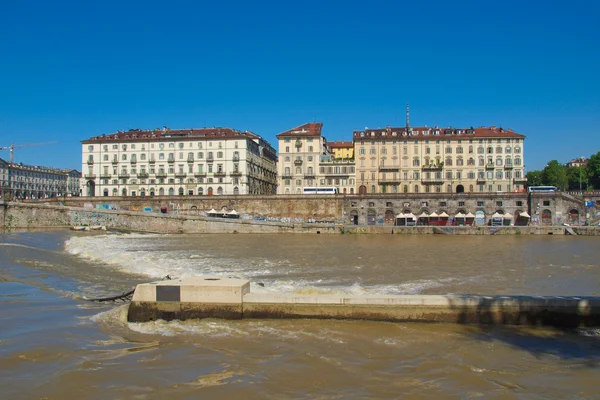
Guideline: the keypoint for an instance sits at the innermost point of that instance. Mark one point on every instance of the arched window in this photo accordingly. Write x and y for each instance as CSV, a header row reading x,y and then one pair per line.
x,y
124,192
416,188
220,191
161,192
181,191
200,191
114,192
171,192
236,191
372,188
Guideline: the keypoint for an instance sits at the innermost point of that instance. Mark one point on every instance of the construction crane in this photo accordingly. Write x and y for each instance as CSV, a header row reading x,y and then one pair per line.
x,y
12,147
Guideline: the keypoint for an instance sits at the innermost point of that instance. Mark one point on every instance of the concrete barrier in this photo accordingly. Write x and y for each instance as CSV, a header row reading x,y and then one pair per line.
x,y
218,297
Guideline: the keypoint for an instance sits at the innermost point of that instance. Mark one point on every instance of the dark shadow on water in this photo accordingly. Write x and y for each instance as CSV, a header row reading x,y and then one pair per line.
x,y
566,344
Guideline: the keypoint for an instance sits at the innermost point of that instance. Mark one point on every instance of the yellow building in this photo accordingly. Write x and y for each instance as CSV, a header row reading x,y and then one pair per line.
x,y
439,160
342,150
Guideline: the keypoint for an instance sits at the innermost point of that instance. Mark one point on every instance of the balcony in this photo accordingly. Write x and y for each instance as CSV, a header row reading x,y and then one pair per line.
x,y
90,176
489,166
133,161
190,159
171,160
236,158
221,174
390,181
180,174
520,180
286,176
142,175
210,159
161,175
481,179
105,176
432,181
235,173
115,161
297,162
90,162
152,161
309,176
200,174
508,166
123,175
389,169
433,167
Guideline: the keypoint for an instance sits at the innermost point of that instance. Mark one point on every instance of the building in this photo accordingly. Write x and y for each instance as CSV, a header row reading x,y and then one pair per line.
x,y
22,181
306,160
439,160
342,150
577,162
206,161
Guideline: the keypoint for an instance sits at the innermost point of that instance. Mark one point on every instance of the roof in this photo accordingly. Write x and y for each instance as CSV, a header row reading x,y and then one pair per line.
x,y
170,134
341,145
437,132
306,130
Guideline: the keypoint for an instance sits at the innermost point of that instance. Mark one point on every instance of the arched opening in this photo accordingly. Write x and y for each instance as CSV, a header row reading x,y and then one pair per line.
x,y
574,217
171,192
371,217
236,191
210,191
152,192
546,217
142,192
372,188
479,217
388,217
351,190
220,191
115,192
105,192
91,188
287,191
124,192
180,191
354,217
362,189
460,189
161,192
200,191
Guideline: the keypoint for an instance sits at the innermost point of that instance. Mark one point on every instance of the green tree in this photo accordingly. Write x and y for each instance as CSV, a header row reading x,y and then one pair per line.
x,y
534,178
555,175
577,178
593,170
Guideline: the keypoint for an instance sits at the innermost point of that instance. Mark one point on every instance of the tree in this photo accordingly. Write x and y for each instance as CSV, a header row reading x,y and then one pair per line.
x,y
534,178
593,170
555,175
577,178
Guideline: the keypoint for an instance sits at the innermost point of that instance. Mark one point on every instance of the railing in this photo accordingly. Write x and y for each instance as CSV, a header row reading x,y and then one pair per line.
x,y
236,173
133,161
142,175
161,175
90,162
297,162
152,161
433,166
105,176
171,160
90,176
489,166
115,161
220,173
180,174
190,159
199,174
123,175
389,169
432,180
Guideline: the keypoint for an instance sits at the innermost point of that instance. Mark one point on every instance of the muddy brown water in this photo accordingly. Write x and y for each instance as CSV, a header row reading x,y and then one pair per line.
x,y
56,345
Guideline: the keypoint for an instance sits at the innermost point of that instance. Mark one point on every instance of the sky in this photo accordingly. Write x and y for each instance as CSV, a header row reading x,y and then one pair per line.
x,y
73,69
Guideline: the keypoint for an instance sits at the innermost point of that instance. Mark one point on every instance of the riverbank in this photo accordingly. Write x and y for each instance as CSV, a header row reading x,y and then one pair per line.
x,y
23,216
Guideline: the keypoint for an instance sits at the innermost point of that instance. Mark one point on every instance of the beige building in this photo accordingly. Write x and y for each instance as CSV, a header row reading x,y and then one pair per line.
x,y
439,160
206,161
306,161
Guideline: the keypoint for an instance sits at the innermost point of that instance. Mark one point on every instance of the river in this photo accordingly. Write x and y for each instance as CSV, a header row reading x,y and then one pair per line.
x,y
56,345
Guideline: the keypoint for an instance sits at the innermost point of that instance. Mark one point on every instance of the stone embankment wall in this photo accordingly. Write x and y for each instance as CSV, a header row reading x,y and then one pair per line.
x,y
19,216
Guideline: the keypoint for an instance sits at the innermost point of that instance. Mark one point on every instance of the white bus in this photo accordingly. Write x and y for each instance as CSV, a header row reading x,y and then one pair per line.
x,y
547,189
319,190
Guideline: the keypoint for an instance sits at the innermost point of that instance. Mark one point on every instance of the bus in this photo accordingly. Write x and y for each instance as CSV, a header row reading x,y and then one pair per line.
x,y
319,190
543,189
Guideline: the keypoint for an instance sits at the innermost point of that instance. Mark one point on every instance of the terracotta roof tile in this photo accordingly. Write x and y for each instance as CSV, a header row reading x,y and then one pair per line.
x,y
309,129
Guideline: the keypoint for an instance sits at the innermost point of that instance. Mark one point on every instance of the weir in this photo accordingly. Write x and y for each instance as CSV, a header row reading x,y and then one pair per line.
x,y
218,297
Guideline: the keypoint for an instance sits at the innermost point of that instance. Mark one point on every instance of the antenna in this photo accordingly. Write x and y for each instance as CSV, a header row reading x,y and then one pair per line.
x,y
407,117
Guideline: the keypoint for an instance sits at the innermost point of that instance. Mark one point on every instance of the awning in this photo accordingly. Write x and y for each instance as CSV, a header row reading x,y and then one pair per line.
x,y
497,215
524,215
469,215
232,212
400,216
433,215
508,216
459,215
212,211
423,215
409,216
444,215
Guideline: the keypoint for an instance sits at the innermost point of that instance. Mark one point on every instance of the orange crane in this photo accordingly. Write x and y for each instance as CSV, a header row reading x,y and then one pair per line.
x,y
12,147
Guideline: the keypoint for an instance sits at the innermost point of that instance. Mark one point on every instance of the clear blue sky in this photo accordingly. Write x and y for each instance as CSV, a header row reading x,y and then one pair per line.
x,y
74,69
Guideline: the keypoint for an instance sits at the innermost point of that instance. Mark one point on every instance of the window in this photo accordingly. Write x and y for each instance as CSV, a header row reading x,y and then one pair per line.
x,y
499,204
546,203
461,203
480,204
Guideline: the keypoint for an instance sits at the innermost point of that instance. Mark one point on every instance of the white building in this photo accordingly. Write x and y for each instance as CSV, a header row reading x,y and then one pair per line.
x,y
206,161
35,182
